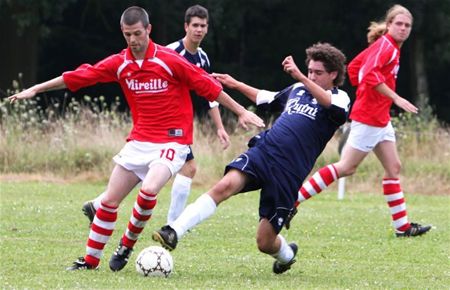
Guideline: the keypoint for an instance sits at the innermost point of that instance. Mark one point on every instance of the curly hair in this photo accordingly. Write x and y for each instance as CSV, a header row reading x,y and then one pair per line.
x,y
332,58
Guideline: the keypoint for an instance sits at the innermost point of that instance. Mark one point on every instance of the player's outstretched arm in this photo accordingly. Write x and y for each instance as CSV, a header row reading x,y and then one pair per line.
x,y
53,84
245,117
231,83
399,101
323,97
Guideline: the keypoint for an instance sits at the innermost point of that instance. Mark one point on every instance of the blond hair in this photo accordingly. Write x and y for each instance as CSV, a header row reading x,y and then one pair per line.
x,y
378,29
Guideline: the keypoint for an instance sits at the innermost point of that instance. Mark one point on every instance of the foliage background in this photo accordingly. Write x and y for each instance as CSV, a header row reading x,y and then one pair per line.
x,y
247,39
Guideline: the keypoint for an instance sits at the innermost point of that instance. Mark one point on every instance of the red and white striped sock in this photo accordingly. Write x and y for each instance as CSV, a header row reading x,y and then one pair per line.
x,y
101,230
318,182
396,202
142,212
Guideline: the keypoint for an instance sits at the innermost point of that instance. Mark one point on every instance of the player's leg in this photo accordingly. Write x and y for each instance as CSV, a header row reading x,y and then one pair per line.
x,y
201,209
121,182
161,161
386,152
274,244
325,176
156,178
361,140
181,189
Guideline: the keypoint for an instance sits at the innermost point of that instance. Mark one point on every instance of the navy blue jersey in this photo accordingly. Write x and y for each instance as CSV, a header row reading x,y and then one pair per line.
x,y
279,159
303,129
201,60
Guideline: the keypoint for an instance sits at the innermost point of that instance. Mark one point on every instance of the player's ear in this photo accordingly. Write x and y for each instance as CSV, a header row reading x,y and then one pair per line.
x,y
186,25
333,75
149,28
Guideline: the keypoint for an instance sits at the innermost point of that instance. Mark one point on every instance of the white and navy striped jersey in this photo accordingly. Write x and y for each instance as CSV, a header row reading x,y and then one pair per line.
x,y
201,60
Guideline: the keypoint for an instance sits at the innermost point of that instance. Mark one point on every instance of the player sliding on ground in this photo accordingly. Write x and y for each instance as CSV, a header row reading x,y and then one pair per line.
x,y
278,159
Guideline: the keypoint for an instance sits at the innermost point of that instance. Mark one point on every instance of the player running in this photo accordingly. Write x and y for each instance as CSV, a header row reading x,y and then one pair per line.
x,y
278,159
374,72
196,27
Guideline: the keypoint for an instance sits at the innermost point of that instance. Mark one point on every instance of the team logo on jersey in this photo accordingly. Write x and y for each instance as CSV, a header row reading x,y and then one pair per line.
x,y
151,86
294,106
280,221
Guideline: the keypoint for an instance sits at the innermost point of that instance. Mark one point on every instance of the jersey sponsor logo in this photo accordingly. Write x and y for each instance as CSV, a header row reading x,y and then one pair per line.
x,y
151,86
294,106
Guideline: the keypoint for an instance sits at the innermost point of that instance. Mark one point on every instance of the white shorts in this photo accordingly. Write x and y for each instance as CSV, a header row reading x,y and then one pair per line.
x,y
364,137
139,156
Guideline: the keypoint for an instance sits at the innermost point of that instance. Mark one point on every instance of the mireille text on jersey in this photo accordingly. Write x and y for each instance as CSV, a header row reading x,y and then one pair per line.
x,y
156,88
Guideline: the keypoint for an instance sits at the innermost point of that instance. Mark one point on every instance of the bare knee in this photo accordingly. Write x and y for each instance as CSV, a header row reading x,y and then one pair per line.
x,y
346,169
394,169
222,190
265,246
266,238
110,201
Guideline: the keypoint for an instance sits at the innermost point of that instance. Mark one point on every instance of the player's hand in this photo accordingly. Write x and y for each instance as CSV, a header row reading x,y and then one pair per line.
x,y
251,118
226,80
26,94
291,68
405,105
224,138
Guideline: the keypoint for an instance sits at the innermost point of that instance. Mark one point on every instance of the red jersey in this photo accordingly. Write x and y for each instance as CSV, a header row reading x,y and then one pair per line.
x,y
379,63
157,91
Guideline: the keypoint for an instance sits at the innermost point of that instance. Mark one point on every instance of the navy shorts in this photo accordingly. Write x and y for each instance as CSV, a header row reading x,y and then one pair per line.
x,y
279,187
190,155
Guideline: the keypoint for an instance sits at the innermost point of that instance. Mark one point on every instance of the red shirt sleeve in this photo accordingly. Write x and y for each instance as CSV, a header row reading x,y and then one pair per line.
x,y
196,78
371,62
87,75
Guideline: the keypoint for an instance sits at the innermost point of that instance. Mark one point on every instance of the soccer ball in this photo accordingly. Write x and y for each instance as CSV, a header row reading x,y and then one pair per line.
x,y
154,261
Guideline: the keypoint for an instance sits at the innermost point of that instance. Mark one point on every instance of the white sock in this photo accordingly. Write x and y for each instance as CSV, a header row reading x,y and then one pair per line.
x,y
181,188
98,200
285,254
194,214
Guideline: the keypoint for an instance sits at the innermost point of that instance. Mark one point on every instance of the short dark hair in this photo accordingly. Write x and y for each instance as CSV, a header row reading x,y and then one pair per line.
x,y
332,58
133,15
196,11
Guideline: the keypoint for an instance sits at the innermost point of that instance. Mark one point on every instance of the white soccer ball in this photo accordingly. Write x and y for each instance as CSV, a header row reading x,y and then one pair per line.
x,y
154,261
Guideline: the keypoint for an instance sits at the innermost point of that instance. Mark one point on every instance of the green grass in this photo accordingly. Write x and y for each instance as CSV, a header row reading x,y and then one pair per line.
x,y
346,244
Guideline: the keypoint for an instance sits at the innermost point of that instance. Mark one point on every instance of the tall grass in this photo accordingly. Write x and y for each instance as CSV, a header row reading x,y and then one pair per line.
x,y
71,140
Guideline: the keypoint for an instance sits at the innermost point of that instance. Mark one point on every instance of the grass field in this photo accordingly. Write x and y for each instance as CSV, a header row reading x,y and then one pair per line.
x,y
346,244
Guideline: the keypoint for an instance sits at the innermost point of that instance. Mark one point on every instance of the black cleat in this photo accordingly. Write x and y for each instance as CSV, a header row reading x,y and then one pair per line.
x,y
413,231
289,218
167,237
89,211
120,257
279,268
81,264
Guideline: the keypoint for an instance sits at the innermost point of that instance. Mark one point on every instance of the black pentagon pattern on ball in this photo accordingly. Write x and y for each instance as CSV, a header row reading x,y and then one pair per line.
x,y
155,269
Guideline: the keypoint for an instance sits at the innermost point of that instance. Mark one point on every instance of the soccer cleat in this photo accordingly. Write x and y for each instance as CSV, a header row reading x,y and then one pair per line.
x,y
89,211
167,237
413,231
279,268
81,264
120,257
289,218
